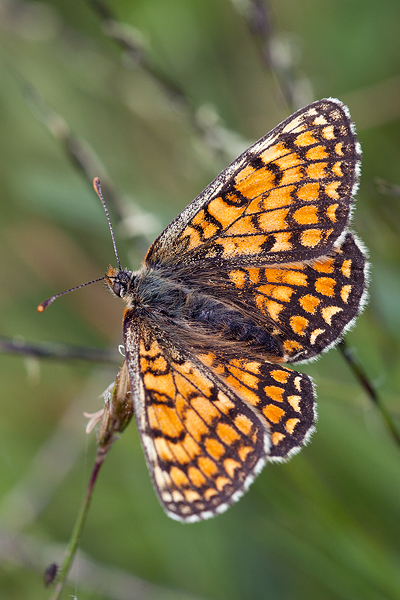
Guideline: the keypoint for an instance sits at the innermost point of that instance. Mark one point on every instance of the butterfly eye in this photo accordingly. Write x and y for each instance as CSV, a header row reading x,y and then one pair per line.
x,y
117,288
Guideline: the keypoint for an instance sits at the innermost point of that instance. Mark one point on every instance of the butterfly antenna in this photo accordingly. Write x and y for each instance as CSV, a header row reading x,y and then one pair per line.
x,y
97,189
49,301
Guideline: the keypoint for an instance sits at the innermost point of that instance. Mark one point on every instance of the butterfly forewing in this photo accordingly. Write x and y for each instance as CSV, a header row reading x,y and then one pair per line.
x,y
203,444
287,198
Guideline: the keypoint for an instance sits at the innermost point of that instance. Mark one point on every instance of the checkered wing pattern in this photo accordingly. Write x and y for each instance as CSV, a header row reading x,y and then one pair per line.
x,y
305,305
202,442
280,396
208,425
287,198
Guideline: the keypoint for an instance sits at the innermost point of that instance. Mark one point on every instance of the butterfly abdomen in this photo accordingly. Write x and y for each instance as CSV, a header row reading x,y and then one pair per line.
x,y
231,324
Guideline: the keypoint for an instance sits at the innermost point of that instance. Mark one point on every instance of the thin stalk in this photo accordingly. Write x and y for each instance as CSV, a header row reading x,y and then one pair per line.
x,y
113,419
363,379
79,524
56,350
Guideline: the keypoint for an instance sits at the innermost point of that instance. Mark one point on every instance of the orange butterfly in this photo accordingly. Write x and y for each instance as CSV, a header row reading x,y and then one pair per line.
x,y
259,270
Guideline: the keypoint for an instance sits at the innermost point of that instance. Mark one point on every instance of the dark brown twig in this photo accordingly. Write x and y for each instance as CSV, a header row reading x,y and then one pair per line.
x,y
58,351
128,40
279,53
205,123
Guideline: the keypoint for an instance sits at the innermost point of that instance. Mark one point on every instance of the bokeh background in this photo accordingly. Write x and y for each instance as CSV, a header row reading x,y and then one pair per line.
x,y
157,104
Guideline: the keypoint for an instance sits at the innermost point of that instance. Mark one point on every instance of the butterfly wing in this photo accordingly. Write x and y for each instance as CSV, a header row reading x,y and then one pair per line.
x,y
305,305
202,443
280,396
287,198
207,425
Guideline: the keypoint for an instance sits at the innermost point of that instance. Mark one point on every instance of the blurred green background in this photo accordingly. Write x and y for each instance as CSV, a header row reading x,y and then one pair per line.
x,y
326,525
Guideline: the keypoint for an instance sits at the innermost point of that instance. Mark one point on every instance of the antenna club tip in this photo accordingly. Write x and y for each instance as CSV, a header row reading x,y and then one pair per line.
x,y
45,304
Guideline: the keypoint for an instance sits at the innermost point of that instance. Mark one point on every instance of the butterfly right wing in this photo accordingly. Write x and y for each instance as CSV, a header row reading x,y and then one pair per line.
x,y
286,198
268,235
305,306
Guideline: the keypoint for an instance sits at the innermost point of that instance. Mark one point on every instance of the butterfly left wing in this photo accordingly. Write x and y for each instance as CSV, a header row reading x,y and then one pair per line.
x,y
208,429
202,443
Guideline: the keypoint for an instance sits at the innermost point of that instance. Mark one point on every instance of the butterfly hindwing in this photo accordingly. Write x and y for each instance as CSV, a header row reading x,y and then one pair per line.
x,y
282,397
305,305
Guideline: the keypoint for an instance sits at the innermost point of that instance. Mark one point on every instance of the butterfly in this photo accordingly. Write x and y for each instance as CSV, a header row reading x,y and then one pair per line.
x,y
259,270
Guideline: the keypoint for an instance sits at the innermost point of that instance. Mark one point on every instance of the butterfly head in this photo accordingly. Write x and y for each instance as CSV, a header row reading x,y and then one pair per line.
x,y
119,281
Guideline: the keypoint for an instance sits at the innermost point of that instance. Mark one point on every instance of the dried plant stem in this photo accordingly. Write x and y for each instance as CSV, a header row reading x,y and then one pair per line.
x,y
55,350
113,419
